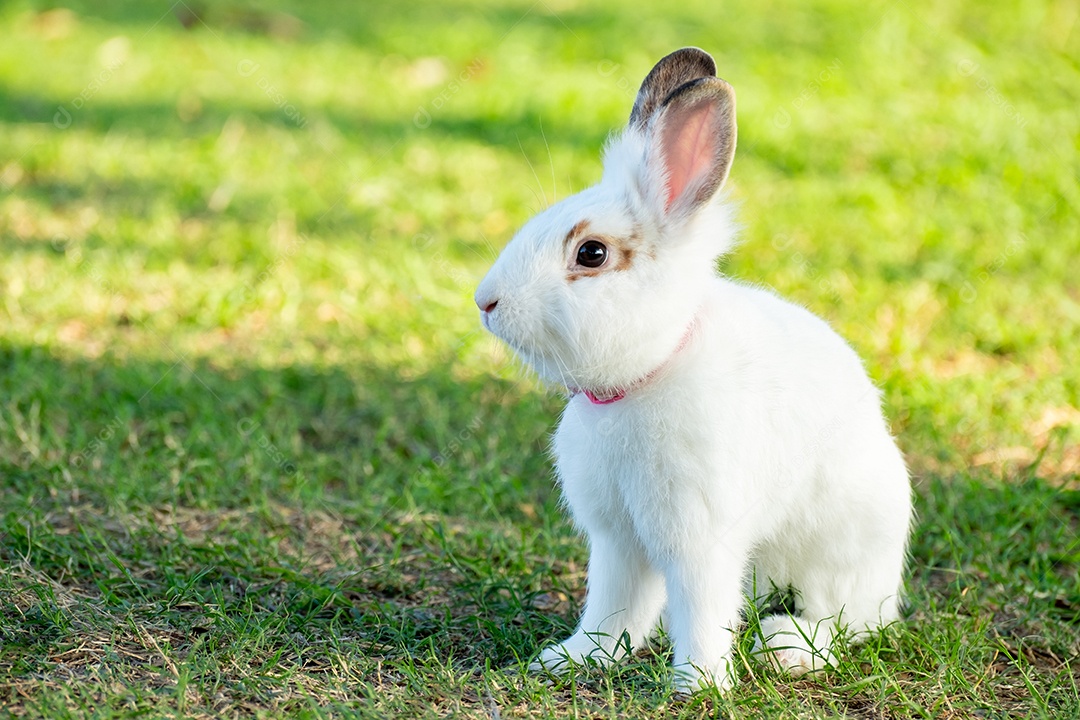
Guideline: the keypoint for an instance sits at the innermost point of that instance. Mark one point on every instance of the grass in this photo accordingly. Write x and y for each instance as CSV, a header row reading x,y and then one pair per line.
x,y
258,459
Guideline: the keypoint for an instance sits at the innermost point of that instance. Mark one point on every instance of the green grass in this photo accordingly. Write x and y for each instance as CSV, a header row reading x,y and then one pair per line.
x,y
258,459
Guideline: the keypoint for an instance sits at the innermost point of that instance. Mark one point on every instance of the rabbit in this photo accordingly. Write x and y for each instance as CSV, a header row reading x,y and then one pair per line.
x,y
718,442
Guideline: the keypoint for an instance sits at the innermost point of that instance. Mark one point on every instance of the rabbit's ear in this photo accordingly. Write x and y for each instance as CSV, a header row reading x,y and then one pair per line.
x,y
693,136
673,71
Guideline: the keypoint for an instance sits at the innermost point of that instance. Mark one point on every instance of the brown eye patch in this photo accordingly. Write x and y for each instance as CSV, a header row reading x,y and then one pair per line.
x,y
576,233
590,254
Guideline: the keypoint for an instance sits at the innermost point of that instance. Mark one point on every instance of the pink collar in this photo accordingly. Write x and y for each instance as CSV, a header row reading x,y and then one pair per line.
x,y
612,395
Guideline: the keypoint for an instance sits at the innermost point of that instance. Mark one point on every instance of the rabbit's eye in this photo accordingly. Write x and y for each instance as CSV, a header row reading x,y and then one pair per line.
x,y
592,254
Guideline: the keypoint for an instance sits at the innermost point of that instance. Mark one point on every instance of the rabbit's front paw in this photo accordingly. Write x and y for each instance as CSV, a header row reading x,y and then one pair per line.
x,y
793,645
578,649
691,678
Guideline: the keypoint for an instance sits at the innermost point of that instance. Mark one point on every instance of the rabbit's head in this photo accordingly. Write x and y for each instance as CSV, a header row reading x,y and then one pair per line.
x,y
597,290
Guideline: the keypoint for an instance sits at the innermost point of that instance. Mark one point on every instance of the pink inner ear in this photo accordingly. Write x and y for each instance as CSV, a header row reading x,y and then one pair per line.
x,y
688,144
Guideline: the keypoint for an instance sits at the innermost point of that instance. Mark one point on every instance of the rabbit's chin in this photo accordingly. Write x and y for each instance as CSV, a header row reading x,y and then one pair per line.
x,y
603,375
605,358
552,371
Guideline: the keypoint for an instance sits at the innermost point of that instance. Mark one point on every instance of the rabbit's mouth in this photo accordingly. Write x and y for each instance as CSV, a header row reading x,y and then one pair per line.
x,y
521,349
546,353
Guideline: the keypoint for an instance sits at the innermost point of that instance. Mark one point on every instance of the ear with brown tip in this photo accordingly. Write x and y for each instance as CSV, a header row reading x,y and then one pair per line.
x,y
674,70
694,136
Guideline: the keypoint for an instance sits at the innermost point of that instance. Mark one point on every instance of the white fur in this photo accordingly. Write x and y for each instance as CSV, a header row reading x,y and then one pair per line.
x,y
758,450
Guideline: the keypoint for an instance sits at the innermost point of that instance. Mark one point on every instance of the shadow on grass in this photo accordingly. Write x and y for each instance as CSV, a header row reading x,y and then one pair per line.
x,y
360,502
367,127
314,185
369,24
415,515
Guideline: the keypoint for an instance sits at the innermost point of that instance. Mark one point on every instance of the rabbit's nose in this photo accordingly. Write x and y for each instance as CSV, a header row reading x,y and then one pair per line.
x,y
485,304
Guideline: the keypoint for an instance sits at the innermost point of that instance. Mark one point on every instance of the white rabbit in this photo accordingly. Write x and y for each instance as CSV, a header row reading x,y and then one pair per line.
x,y
717,438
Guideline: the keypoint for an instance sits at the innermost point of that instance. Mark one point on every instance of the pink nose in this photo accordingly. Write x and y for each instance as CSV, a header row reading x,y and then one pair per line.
x,y
486,306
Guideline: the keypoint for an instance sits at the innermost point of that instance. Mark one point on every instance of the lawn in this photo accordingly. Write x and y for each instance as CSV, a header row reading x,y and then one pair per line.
x,y
258,458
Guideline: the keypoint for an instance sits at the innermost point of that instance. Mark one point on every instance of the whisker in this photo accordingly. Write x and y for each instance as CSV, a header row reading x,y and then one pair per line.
x,y
533,169
551,162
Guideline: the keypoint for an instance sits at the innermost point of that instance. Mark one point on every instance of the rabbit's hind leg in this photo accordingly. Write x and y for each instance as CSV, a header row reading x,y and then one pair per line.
x,y
846,582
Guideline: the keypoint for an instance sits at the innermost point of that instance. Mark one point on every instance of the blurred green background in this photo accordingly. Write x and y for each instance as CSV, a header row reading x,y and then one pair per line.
x,y
239,241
